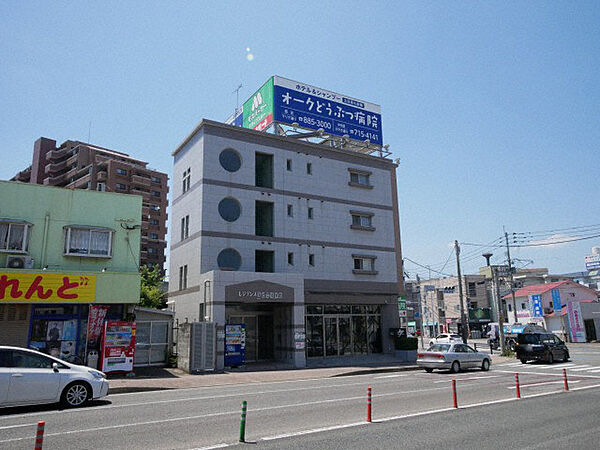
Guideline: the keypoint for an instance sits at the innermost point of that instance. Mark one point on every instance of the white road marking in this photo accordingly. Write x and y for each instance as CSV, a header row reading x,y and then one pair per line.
x,y
564,366
509,364
391,376
542,373
18,426
594,370
542,383
579,369
468,378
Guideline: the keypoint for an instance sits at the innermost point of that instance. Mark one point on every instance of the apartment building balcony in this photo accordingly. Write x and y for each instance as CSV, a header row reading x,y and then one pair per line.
x,y
140,180
56,155
58,180
145,195
72,159
80,183
102,175
55,167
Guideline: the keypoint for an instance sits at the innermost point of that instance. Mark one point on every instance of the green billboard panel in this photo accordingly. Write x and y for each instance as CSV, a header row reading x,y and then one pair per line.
x,y
258,109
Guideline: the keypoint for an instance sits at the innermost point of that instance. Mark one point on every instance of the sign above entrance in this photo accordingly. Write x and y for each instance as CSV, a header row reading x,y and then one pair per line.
x,y
47,288
259,291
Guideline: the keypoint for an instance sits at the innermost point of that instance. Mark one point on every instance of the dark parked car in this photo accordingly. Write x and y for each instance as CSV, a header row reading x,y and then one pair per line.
x,y
541,346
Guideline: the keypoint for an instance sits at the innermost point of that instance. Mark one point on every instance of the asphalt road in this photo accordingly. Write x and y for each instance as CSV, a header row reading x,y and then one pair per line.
x,y
548,422
200,417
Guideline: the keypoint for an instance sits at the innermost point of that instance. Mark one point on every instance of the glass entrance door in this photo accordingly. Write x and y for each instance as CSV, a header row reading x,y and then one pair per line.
x,y
259,336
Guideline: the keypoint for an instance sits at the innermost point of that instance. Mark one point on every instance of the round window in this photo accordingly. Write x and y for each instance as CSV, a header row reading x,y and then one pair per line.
x,y
230,160
230,209
229,259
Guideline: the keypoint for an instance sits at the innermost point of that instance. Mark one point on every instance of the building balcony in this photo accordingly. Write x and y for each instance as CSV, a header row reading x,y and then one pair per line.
x,y
72,159
145,195
56,155
102,175
55,167
140,180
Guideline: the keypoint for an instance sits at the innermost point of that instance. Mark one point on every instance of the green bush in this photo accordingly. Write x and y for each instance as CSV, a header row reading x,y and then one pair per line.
x,y
406,343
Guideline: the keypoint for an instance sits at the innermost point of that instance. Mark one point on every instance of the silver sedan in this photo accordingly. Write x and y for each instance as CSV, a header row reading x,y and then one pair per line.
x,y
453,357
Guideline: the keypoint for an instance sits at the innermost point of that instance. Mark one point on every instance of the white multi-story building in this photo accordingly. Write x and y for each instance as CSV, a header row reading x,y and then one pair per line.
x,y
299,242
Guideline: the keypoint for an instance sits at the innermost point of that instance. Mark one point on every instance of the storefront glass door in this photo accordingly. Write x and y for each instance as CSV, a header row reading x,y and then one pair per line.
x,y
259,336
356,333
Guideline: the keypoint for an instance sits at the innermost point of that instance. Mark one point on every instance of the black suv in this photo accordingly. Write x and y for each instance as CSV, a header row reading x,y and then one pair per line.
x,y
541,346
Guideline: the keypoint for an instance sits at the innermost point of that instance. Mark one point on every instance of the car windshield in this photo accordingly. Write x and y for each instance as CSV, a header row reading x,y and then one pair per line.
x,y
529,339
439,348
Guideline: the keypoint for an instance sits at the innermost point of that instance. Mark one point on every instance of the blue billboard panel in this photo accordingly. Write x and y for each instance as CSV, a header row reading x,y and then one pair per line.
x,y
315,108
556,300
536,306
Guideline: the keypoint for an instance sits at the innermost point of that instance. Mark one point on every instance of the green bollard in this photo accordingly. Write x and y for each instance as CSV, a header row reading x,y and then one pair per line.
x,y
243,422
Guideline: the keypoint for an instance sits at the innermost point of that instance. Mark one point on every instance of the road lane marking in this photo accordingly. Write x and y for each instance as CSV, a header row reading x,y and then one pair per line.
x,y
18,426
564,366
544,373
391,376
594,370
468,378
543,383
579,369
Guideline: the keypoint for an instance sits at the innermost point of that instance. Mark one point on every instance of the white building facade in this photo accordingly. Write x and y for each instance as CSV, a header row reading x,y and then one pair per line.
x,y
299,242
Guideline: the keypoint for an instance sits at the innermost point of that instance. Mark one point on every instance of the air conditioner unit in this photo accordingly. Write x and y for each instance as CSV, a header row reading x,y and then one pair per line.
x,y
19,262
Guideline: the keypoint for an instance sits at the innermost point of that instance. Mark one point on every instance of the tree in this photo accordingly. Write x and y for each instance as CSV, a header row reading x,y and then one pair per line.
x,y
151,294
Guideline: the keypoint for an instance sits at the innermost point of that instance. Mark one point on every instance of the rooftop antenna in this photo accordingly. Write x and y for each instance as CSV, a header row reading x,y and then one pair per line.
x,y
89,131
237,97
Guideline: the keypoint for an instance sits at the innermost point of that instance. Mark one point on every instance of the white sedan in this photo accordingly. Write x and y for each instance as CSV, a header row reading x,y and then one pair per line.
x,y
28,377
446,339
453,357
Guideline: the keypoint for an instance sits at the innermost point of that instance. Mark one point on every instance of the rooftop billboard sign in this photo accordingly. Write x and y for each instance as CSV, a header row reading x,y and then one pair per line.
x,y
592,262
291,102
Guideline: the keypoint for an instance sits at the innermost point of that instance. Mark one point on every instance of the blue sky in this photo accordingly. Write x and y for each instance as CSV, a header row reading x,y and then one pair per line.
x,y
492,107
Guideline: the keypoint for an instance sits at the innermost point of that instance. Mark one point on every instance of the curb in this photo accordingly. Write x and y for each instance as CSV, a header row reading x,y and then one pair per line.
x,y
366,371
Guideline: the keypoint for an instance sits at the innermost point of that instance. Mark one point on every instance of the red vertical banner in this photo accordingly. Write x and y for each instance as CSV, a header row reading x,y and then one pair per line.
x,y
95,323
118,346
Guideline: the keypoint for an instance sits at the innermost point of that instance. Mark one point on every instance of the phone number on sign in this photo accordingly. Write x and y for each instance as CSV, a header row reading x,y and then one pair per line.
x,y
315,122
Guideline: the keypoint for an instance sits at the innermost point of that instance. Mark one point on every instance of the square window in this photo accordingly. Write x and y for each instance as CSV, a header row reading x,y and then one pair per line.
x,y
121,171
311,259
288,165
309,168
14,236
88,242
364,263
290,257
360,178
311,214
290,211
120,186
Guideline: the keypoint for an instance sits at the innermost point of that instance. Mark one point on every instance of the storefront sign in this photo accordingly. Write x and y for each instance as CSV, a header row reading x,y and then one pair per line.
x,y
47,288
536,305
235,344
258,291
118,346
299,340
556,305
576,322
95,323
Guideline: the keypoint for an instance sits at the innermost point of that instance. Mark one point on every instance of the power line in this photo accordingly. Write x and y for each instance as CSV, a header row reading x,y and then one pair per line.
x,y
541,244
428,268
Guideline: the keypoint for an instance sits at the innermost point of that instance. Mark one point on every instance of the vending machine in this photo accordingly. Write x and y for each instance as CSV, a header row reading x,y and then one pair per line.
x,y
235,345
118,346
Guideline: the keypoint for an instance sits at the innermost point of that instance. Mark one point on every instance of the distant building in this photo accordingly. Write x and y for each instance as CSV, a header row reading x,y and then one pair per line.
x,y
546,305
77,165
441,304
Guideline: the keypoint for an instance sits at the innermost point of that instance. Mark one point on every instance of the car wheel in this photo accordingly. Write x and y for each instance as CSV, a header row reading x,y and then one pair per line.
x,y
75,394
550,358
455,368
523,361
428,370
485,365
565,357
511,345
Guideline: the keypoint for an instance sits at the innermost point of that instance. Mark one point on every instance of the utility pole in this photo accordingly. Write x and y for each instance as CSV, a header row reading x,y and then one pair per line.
x,y
512,282
496,291
463,320
420,309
